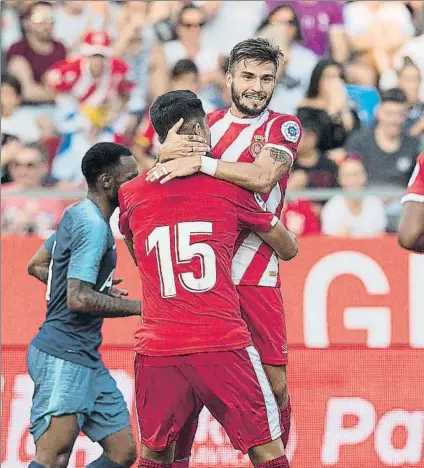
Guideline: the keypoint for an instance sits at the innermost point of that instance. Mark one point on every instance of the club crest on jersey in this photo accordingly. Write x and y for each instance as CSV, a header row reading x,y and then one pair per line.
x,y
290,131
256,148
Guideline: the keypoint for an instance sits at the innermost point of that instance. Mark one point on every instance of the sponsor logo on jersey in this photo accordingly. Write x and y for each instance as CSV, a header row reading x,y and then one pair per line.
x,y
291,131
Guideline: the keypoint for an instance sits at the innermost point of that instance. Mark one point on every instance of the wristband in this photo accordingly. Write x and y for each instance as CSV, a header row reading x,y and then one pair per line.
x,y
209,166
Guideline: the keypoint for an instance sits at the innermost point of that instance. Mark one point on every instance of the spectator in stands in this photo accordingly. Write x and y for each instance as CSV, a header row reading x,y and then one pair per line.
x,y
349,216
408,79
21,215
15,120
190,22
327,103
322,27
299,61
148,69
31,57
184,76
221,29
388,154
377,25
10,146
312,166
93,92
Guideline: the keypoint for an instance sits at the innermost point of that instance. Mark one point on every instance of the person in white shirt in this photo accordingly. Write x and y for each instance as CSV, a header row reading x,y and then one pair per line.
x,y
353,217
190,23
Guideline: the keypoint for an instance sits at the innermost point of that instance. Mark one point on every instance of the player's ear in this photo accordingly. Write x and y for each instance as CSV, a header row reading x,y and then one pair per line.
x,y
228,79
106,181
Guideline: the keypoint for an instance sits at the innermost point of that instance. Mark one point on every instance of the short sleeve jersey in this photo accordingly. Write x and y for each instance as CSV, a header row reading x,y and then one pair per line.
x,y
83,248
184,234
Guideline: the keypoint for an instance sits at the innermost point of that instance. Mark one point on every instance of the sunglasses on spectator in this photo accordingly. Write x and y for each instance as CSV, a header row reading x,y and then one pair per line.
x,y
28,165
192,25
39,18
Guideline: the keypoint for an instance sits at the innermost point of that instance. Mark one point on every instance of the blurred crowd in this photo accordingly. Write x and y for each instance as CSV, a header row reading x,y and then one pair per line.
x,y
78,72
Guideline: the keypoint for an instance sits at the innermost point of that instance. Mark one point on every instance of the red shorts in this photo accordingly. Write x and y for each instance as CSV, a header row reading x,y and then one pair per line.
x,y
263,311
231,384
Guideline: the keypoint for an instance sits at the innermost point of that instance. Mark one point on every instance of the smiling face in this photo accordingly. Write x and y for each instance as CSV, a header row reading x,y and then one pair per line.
x,y
252,84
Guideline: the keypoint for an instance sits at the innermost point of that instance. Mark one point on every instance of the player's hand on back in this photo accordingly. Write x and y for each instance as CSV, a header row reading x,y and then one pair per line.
x,y
177,146
174,169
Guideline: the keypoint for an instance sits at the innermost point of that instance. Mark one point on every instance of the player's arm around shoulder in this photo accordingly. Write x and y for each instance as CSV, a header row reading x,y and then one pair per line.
x,y
282,137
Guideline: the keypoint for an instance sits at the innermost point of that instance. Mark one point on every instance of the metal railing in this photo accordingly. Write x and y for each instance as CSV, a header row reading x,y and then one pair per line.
x,y
315,194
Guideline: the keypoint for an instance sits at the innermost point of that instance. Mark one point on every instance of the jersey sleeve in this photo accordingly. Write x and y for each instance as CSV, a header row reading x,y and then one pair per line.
x,y
49,243
252,213
415,191
284,132
89,240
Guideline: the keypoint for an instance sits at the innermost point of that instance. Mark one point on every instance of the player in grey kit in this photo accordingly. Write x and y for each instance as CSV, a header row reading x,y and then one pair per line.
x,y
73,389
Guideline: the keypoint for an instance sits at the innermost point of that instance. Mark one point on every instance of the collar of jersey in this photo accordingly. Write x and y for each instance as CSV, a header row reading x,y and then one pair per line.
x,y
232,118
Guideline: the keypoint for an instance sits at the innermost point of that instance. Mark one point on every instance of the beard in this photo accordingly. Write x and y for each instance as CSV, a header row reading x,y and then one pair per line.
x,y
253,111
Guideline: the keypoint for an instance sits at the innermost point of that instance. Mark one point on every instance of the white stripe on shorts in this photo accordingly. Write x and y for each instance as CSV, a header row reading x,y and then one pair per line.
x,y
271,405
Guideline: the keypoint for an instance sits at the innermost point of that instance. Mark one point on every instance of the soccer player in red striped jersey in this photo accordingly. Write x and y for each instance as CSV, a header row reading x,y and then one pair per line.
x,y
253,147
411,228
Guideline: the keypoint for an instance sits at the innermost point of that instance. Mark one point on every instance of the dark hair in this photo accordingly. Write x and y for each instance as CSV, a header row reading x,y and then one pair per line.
x,y
100,158
183,67
257,48
313,88
268,20
13,82
32,7
169,108
393,95
190,6
310,125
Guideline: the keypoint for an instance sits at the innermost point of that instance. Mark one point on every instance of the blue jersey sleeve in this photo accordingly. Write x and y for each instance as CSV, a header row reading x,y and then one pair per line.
x,y
89,240
49,243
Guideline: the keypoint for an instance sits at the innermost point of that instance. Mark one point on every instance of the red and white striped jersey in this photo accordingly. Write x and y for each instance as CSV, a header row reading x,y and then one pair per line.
x,y
415,190
241,140
74,77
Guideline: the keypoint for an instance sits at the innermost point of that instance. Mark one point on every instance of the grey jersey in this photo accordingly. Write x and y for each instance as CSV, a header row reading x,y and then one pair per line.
x,y
83,248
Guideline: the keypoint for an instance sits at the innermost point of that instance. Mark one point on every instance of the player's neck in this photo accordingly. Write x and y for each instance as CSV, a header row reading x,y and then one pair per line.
x,y
102,203
236,113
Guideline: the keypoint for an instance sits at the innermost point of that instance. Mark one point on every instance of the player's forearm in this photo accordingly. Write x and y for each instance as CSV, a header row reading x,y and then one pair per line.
x,y
283,242
247,175
82,298
41,272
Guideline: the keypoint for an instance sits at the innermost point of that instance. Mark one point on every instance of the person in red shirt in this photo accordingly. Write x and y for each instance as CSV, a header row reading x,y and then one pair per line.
x,y
192,337
411,227
31,57
253,147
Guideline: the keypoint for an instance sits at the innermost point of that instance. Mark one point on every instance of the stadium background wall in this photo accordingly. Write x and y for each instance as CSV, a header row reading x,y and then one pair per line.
x,y
355,314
